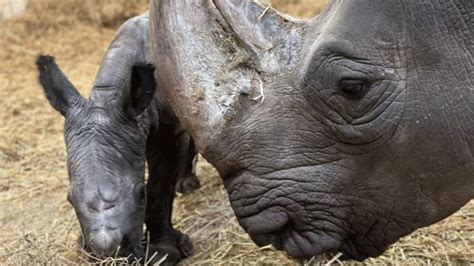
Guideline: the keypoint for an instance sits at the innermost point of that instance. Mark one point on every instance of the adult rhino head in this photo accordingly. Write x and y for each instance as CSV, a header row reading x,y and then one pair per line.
x,y
363,130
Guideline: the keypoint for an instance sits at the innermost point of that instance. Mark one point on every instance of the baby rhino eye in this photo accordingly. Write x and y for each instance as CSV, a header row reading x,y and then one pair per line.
x,y
353,89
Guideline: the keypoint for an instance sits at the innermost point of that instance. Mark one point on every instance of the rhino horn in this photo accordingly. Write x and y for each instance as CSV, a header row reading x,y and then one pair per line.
x,y
212,56
127,61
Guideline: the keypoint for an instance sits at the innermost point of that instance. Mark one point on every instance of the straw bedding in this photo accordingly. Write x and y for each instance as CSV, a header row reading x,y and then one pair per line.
x,y
37,224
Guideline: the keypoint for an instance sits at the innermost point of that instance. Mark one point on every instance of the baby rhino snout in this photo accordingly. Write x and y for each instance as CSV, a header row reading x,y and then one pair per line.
x,y
104,240
103,221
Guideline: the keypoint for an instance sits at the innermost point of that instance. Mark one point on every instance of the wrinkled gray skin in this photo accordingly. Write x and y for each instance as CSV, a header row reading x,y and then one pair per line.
x,y
366,129
109,136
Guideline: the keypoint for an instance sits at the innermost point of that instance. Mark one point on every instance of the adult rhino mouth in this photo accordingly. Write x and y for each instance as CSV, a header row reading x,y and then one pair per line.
x,y
281,234
303,219
269,217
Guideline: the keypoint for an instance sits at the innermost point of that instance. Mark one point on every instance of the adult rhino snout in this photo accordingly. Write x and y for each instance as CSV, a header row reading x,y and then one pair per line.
x,y
104,240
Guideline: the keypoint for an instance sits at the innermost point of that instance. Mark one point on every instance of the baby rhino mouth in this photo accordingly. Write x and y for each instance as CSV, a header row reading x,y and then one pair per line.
x,y
108,241
104,241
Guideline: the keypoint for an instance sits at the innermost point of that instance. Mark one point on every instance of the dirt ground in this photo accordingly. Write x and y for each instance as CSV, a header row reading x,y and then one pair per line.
x,y
37,224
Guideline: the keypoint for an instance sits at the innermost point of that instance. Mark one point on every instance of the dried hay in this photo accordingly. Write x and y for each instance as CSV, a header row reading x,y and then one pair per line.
x,y
53,15
37,224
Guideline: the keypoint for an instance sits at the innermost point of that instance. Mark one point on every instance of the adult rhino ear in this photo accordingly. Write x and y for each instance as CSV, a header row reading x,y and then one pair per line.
x,y
141,91
62,95
213,56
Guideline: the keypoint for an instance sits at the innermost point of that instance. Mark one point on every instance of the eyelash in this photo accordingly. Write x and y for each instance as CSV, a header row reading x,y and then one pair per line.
x,y
353,89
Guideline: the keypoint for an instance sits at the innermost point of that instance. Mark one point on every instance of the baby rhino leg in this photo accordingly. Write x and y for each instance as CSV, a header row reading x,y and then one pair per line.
x,y
165,157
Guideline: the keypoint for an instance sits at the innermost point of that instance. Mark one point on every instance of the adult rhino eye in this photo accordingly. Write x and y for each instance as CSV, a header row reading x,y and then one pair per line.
x,y
353,88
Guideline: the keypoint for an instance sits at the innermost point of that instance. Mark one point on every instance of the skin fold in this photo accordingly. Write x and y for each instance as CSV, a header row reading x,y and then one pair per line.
x,y
365,131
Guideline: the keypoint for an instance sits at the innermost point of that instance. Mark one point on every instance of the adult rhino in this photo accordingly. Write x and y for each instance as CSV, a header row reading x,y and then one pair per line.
x,y
363,130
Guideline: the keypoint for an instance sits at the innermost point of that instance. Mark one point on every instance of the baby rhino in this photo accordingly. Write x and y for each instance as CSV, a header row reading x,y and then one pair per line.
x,y
109,136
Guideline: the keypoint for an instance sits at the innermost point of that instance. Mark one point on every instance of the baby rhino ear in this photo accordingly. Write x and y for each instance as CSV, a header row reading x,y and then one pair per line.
x,y
58,89
141,90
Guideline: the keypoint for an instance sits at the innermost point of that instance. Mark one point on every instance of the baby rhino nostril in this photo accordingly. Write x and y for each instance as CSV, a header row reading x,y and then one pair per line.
x,y
98,205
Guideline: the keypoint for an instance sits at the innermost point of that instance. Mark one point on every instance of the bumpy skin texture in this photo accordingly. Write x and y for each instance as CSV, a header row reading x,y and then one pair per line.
x,y
108,138
366,129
